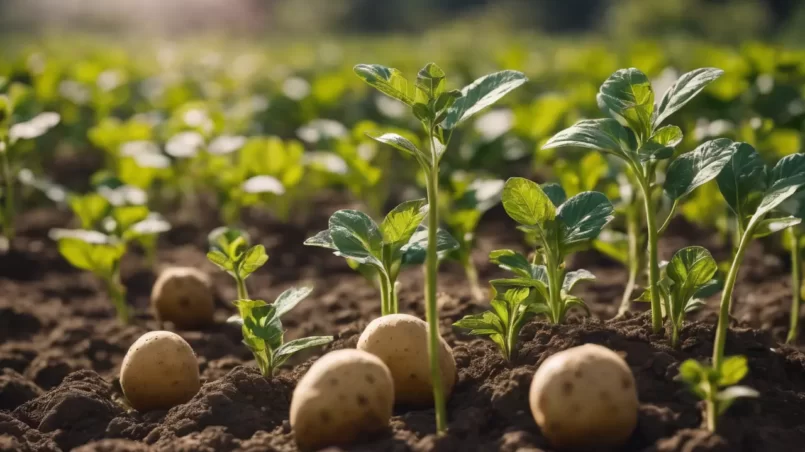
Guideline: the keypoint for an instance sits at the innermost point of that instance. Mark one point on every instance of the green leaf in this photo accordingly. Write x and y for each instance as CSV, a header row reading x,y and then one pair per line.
x,y
583,217
220,259
661,144
512,261
401,223
415,251
402,144
431,80
126,216
787,176
526,203
627,94
483,324
388,81
692,372
228,240
254,258
742,180
321,239
86,250
555,193
605,135
733,370
291,347
90,209
480,94
703,164
447,99
683,90
690,269
356,236
288,299
574,277
769,226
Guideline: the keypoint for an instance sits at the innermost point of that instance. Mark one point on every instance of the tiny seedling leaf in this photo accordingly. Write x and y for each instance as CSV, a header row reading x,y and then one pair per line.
x,y
733,370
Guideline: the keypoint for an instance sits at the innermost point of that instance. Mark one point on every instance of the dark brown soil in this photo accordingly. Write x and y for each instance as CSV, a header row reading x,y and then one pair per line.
x,y
61,348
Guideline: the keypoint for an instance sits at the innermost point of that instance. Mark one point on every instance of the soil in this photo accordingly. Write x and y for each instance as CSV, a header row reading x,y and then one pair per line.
x,y
61,349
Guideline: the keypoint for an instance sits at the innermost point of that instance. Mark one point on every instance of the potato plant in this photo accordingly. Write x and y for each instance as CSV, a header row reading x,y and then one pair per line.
x,y
230,251
261,324
440,112
716,385
635,135
400,240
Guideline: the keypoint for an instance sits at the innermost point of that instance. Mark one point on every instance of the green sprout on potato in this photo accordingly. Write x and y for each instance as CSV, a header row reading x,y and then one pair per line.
x,y
439,111
399,241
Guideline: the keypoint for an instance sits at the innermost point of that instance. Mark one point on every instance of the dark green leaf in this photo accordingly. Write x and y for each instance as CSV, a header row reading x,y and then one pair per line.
x,y
402,144
742,180
606,135
683,90
555,193
223,238
480,94
661,144
526,203
388,81
431,80
321,239
291,347
512,261
447,99
401,223
787,176
769,226
583,216
356,236
628,94
288,299
690,269
415,251
698,167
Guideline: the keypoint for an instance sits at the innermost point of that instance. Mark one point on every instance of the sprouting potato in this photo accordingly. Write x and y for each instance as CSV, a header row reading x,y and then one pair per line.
x,y
584,397
401,341
159,371
345,396
183,295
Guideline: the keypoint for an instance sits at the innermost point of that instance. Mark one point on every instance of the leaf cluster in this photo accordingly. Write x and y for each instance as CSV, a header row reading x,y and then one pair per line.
x,y
717,386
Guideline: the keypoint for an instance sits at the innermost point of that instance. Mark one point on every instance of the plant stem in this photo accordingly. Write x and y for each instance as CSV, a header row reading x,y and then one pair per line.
x,y
117,293
726,294
653,258
243,294
8,215
796,284
385,296
632,235
667,221
431,309
472,277
711,413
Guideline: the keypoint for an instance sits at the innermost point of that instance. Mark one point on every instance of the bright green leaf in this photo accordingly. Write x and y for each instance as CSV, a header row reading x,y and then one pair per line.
x,y
628,94
401,223
606,135
526,203
388,81
683,90
480,94
661,144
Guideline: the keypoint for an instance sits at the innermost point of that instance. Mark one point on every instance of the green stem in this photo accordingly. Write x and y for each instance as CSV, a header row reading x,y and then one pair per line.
x,y
674,334
726,294
8,215
554,286
669,218
472,277
117,293
632,234
243,294
385,295
711,413
796,284
653,258
432,314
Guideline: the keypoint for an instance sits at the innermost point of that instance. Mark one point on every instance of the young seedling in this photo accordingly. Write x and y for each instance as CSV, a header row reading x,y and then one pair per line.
x,y
230,251
467,199
261,324
560,226
795,244
686,280
715,385
440,112
756,195
400,240
633,134
12,134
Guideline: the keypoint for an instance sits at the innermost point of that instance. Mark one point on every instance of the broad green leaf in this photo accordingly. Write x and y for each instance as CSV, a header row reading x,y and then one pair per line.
x,y
127,216
388,81
606,135
661,144
742,180
480,94
321,239
787,176
431,80
512,261
769,226
690,269
627,94
683,90
90,209
291,347
526,203
733,370
583,217
447,99
401,223
415,251
555,193
574,277
93,255
356,236
402,144
689,171
254,258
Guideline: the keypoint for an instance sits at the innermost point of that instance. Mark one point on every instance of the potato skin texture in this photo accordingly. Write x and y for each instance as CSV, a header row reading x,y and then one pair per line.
x,y
345,396
159,371
183,295
584,398
401,341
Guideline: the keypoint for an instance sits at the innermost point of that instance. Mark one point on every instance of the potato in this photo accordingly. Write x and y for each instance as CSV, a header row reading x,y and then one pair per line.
x,y
401,341
183,295
159,371
346,395
584,397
